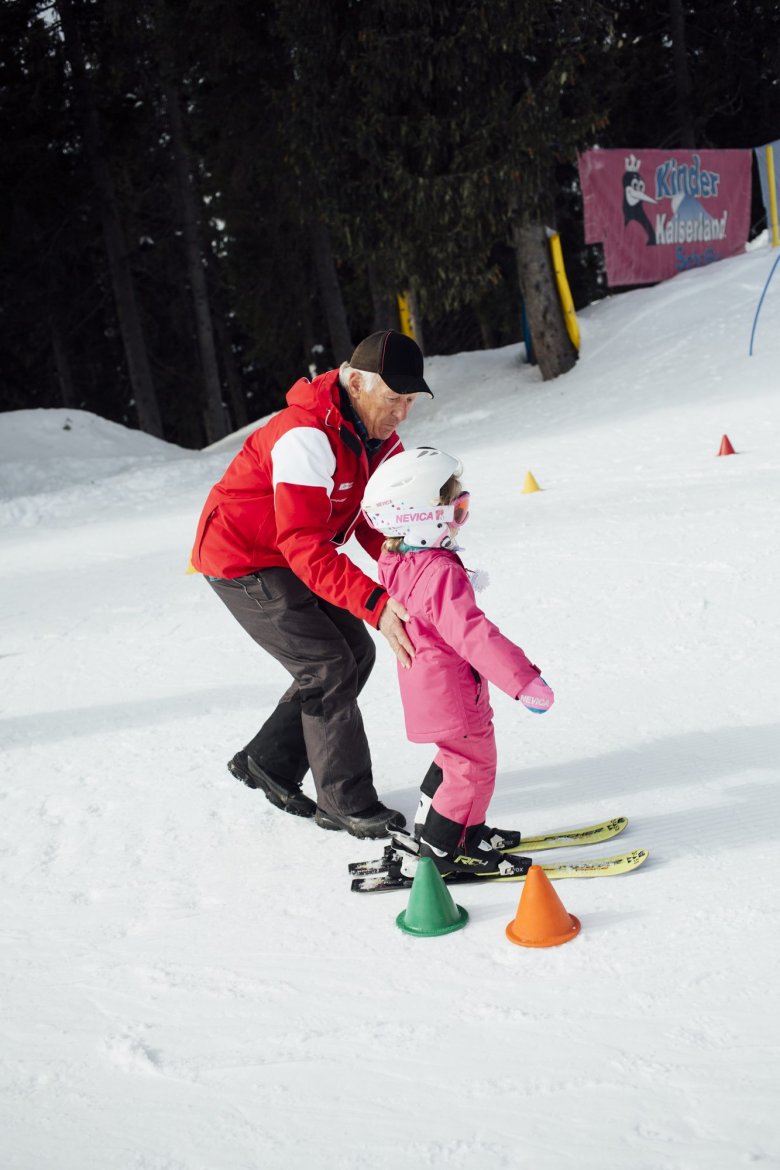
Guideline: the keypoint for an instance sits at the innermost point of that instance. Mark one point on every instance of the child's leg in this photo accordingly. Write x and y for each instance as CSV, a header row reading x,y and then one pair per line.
x,y
462,797
460,801
431,781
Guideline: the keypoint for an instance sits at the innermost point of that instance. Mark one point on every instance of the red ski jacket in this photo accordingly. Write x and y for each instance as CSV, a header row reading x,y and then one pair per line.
x,y
292,495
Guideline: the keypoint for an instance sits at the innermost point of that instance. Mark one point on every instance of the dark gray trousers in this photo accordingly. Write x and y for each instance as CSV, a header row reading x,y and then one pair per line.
x,y
317,723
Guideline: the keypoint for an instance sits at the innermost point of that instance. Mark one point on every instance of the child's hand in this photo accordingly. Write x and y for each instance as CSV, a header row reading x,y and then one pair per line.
x,y
537,696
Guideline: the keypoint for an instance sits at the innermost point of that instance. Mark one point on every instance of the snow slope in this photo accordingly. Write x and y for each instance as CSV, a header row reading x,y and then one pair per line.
x,y
187,982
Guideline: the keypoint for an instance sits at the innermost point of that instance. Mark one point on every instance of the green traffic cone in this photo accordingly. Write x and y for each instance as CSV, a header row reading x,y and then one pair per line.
x,y
431,910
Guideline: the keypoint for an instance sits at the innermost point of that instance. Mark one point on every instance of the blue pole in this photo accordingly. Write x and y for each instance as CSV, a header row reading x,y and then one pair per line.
x,y
760,303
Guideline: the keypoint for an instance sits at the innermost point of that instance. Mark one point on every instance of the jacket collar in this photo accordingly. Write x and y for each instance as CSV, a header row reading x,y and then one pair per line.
x,y
329,401
351,415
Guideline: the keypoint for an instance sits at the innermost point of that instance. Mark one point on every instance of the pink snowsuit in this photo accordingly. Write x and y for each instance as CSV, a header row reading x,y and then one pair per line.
x,y
445,692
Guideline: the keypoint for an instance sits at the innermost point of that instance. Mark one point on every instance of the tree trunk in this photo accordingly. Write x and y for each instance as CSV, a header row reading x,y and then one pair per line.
x,y
486,328
553,349
216,423
332,301
383,300
312,349
146,404
415,316
682,77
232,374
64,374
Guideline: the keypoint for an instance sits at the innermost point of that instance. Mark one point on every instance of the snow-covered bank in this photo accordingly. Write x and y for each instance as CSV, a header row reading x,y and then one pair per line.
x,y
188,983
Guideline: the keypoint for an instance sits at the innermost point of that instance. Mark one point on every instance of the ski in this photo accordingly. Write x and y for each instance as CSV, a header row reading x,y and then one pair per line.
x,y
402,843
400,874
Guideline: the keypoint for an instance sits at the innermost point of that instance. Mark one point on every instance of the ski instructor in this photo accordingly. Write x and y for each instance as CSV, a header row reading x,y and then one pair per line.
x,y
267,543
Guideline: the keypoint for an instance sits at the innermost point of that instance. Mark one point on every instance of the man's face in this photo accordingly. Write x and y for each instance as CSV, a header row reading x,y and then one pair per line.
x,y
380,410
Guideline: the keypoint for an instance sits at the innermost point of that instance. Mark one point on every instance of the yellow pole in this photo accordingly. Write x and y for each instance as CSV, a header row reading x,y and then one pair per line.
x,y
564,292
770,178
405,315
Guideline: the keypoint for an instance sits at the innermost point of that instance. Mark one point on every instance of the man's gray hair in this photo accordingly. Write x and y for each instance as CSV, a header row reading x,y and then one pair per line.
x,y
368,380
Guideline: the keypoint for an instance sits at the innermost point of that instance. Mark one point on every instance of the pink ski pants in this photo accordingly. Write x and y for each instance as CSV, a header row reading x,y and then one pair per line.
x,y
469,768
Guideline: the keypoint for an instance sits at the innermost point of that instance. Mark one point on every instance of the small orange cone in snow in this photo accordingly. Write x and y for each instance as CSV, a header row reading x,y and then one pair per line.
x,y
542,919
726,447
530,484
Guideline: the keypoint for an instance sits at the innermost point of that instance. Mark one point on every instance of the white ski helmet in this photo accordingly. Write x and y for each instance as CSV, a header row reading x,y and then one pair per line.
x,y
402,497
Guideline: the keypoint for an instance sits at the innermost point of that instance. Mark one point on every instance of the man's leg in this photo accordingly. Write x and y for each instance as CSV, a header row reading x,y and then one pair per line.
x,y
280,743
317,722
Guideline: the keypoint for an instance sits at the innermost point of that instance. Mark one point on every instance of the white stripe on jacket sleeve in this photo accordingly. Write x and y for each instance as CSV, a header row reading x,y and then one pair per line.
x,y
303,456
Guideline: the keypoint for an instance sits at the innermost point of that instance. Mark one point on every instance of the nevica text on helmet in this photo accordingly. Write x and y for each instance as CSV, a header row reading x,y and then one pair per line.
x,y
419,517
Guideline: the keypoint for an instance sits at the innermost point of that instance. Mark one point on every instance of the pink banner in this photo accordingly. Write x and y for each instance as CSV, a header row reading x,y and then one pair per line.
x,y
658,212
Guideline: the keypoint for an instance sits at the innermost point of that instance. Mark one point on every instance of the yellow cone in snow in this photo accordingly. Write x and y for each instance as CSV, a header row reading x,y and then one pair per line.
x,y
530,484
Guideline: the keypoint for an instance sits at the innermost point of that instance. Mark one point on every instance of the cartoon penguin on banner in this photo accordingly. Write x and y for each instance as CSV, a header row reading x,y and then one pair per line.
x,y
634,196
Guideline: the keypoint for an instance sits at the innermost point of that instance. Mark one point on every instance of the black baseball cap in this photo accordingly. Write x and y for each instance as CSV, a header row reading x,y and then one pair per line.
x,y
396,358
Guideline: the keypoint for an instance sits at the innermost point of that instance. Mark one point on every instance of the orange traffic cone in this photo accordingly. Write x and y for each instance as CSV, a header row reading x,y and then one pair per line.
x,y
541,920
726,447
530,484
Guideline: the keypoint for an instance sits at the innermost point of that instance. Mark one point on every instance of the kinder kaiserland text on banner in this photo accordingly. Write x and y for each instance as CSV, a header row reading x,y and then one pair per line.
x,y
659,212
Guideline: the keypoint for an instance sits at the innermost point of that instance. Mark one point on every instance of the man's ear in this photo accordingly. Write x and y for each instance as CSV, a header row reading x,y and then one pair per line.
x,y
353,384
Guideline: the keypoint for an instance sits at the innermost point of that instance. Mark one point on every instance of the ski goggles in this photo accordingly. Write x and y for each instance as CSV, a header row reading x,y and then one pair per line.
x,y
460,509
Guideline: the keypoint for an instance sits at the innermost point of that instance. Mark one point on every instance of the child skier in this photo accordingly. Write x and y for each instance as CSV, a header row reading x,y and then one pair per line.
x,y
416,499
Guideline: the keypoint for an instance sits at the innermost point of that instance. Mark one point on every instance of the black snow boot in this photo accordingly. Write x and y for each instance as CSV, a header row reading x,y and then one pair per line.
x,y
287,797
374,821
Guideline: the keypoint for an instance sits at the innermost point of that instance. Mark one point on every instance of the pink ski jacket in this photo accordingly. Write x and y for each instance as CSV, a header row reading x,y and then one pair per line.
x,y
457,648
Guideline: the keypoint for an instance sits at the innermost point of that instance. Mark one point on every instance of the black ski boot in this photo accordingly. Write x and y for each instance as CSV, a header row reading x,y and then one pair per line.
x,y
476,857
496,838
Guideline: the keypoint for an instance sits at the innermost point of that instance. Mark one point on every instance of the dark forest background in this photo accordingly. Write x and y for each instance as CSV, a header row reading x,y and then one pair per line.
x,y
202,201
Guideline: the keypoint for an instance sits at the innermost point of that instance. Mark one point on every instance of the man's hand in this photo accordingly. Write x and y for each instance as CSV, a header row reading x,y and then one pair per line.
x,y
391,624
